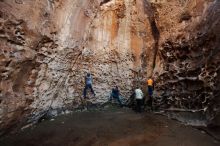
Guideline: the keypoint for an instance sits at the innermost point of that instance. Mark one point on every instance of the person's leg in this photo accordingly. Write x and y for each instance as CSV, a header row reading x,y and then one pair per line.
x,y
133,103
90,86
110,98
140,101
119,101
84,92
150,102
150,92
142,104
138,105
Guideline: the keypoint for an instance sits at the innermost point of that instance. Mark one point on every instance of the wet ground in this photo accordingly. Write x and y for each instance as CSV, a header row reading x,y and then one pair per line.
x,y
115,127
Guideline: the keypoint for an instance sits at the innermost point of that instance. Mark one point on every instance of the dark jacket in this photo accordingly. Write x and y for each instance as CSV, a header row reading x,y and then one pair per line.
x,y
115,92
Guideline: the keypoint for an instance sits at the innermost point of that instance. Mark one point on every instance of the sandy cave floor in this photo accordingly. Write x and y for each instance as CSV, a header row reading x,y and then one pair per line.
x,y
115,127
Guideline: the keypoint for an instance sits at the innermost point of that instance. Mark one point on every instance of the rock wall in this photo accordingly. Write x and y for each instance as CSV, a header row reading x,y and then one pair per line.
x,y
48,46
187,79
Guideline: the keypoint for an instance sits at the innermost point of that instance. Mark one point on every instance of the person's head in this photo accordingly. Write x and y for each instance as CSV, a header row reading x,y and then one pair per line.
x,y
116,87
88,74
137,87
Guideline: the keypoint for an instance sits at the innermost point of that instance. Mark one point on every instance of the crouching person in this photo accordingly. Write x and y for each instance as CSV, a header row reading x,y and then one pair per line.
x,y
116,95
139,99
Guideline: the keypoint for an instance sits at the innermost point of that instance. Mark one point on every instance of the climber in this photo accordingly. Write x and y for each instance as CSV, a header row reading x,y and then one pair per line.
x,y
116,95
139,99
150,85
88,84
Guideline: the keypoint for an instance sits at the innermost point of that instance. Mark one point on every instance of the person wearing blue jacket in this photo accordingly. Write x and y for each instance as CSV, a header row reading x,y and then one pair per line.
x,y
88,85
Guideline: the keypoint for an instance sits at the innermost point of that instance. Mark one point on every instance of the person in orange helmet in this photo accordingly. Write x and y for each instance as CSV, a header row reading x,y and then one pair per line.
x,y
150,85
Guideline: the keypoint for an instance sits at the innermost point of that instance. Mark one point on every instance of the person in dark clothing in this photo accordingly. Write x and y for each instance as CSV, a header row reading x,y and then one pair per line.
x,y
131,101
116,95
88,85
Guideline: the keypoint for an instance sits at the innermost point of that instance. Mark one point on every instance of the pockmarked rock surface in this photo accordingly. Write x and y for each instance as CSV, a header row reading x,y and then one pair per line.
x,y
46,48
188,68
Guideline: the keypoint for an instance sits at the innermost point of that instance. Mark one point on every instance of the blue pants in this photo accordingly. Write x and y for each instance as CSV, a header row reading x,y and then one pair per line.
x,y
150,90
89,86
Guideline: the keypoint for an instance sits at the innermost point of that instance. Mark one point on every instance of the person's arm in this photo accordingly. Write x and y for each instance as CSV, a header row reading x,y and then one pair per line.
x,y
135,93
132,95
142,94
110,95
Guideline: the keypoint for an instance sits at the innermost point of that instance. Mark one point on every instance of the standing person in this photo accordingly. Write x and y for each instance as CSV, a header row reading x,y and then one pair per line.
x,y
88,84
139,99
115,94
150,85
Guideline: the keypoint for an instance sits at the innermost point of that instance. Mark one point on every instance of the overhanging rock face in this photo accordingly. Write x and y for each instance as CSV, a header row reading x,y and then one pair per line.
x,y
189,72
48,46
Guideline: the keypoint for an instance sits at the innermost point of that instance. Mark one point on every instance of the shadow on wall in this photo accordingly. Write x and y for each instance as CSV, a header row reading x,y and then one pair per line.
x,y
104,2
154,30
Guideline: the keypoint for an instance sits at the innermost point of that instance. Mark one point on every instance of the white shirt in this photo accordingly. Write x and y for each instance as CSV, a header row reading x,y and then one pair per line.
x,y
138,94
